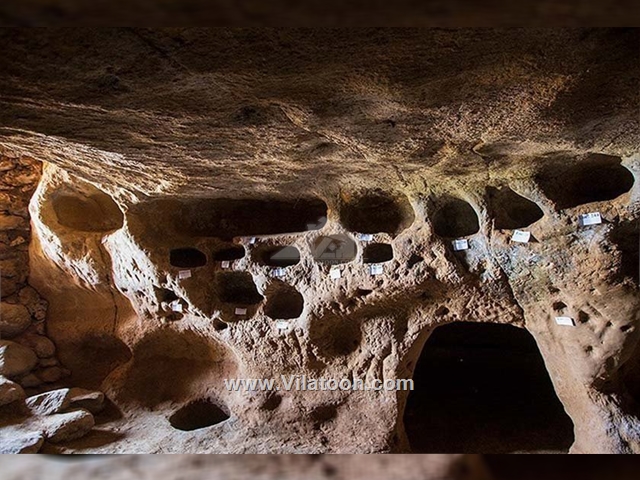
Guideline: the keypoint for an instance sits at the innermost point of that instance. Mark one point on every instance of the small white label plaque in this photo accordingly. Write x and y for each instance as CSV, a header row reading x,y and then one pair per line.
x,y
282,325
521,236
335,273
226,264
182,274
376,269
252,240
278,272
565,321
365,237
176,306
461,244
593,218
241,311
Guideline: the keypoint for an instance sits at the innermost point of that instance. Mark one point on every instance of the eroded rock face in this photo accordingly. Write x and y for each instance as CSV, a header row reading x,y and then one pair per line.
x,y
306,226
206,304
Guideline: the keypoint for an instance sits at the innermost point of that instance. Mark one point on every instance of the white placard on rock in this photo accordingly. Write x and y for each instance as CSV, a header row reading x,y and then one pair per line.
x,y
335,273
282,325
278,272
182,274
225,264
460,244
565,321
365,237
252,240
376,269
520,236
241,311
176,306
593,218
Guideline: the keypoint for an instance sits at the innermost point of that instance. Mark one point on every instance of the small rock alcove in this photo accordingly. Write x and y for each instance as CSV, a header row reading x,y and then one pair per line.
x,y
93,211
228,218
187,258
455,218
595,179
512,211
376,212
483,387
198,414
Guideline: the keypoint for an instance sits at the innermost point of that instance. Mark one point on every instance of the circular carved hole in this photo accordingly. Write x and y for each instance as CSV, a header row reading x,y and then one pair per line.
x,y
94,211
378,253
238,287
512,211
285,303
377,212
230,253
595,179
455,218
277,256
187,258
198,414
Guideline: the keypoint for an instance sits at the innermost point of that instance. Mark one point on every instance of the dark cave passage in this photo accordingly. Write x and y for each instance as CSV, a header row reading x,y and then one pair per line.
x,y
484,388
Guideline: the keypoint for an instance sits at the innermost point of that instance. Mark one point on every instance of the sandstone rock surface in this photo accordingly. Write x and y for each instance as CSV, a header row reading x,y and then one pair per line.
x,y
243,204
55,401
63,427
87,400
15,360
10,392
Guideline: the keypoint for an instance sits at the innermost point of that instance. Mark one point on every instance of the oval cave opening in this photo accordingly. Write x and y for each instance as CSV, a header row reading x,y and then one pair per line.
x,y
229,218
595,179
198,414
238,287
455,218
187,258
484,388
278,256
511,211
377,212
285,303
378,253
229,253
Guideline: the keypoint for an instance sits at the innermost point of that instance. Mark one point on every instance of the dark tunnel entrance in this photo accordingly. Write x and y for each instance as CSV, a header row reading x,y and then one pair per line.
x,y
484,388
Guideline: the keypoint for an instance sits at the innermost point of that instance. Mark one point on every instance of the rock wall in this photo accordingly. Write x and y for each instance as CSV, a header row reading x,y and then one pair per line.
x,y
254,203
145,298
33,407
22,322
